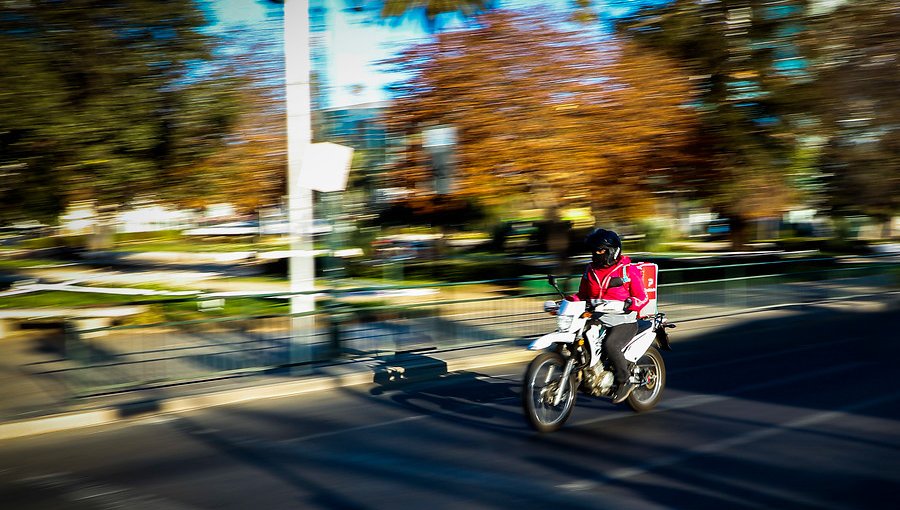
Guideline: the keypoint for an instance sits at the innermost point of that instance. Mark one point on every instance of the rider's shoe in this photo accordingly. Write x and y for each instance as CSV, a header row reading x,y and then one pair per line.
x,y
623,392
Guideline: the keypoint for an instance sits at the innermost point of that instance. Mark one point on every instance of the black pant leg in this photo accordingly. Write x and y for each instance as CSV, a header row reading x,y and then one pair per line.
x,y
616,339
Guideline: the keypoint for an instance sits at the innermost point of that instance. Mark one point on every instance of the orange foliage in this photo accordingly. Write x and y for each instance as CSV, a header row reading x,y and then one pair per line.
x,y
250,169
547,111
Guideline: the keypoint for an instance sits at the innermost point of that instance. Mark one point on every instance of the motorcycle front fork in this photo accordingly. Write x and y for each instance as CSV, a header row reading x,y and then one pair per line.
x,y
562,382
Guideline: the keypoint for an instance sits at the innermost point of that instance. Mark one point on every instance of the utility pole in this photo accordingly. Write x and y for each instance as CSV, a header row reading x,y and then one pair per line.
x,y
301,264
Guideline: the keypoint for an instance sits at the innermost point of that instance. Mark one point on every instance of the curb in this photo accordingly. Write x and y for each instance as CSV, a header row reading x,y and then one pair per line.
x,y
397,373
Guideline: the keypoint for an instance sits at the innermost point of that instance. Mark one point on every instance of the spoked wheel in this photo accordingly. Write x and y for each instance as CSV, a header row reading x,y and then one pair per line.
x,y
652,374
540,388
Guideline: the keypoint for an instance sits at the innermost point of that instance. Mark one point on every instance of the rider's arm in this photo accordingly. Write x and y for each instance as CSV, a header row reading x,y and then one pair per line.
x,y
588,289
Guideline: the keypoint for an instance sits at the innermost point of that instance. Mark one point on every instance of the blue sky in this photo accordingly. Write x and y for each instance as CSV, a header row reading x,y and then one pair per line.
x,y
355,41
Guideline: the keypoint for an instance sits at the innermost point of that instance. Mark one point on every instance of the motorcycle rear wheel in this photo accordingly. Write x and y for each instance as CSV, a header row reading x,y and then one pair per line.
x,y
540,384
653,381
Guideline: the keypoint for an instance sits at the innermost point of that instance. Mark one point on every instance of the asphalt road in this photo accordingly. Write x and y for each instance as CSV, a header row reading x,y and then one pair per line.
x,y
771,413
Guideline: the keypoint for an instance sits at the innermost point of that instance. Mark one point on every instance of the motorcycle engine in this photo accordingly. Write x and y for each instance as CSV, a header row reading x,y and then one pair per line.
x,y
598,380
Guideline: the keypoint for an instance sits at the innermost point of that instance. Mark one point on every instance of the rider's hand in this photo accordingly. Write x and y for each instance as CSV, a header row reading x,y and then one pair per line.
x,y
627,307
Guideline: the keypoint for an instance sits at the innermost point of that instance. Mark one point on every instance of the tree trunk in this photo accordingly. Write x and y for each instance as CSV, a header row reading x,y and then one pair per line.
x,y
887,228
558,244
739,231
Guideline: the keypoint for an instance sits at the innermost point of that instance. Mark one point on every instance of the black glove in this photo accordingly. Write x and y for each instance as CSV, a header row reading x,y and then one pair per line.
x,y
627,307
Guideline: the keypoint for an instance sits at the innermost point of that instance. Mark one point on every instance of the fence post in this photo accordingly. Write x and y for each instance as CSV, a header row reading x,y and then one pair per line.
x,y
75,350
334,336
738,280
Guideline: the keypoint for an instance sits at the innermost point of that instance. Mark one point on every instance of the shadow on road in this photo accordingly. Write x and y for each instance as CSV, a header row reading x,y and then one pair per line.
x,y
466,398
783,360
283,465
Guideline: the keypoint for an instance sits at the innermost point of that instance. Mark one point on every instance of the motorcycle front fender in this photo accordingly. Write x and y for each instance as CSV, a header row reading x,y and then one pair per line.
x,y
559,337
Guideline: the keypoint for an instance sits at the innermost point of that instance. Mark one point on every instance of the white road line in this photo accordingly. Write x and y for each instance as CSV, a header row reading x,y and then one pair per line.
x,y
679,403
353,429
717,446
382,424
97,491
696,400
76,488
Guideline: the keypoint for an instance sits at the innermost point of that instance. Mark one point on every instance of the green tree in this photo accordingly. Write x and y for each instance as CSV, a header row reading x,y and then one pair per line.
x,y
104,101
854,57
746,59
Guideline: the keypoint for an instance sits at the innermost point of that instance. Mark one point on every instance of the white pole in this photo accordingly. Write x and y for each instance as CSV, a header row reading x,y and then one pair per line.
x,y
301,267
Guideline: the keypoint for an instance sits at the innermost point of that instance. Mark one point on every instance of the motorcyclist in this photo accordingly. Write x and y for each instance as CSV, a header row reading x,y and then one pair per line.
x,y
607,262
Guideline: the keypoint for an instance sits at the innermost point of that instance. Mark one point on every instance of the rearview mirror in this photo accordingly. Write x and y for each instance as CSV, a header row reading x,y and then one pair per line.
x,y
551,280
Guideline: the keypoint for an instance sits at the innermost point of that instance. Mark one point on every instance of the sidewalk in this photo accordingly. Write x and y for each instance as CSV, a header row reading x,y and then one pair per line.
x,y
32,405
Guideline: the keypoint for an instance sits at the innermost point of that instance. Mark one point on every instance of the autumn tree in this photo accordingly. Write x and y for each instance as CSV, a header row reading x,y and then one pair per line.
x,y
433,8
249,170
544,112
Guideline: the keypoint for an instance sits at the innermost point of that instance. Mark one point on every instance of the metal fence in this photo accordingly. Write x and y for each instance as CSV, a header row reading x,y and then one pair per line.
x,y
345,327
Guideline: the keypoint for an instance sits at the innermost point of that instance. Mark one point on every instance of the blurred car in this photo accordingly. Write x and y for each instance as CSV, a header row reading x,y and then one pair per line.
x,y
718,229
243,228
405,247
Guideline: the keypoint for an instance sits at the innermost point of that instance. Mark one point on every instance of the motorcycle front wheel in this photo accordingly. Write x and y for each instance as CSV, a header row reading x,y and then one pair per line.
x,y
539,388
652,374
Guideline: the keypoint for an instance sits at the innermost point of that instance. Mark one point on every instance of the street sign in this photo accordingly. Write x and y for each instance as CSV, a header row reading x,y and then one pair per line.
x,y
325,166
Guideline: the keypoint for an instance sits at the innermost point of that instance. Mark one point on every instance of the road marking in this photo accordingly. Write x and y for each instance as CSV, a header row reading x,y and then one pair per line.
x,y
750,437
578,485
96,491
353,429
74,488
442,477
699,399
679,403
331,433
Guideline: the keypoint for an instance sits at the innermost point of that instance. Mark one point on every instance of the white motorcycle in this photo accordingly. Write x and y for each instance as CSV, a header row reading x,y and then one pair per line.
x,y
574,361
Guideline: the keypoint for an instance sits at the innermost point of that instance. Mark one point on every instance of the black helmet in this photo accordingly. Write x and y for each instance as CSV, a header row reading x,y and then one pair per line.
x,y
599,239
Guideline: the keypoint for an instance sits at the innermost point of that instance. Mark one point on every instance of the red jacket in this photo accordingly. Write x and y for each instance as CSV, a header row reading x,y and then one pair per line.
x,y
595,280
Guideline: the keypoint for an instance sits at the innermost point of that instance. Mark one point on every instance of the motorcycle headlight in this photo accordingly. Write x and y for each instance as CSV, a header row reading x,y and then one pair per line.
x,y
564,322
